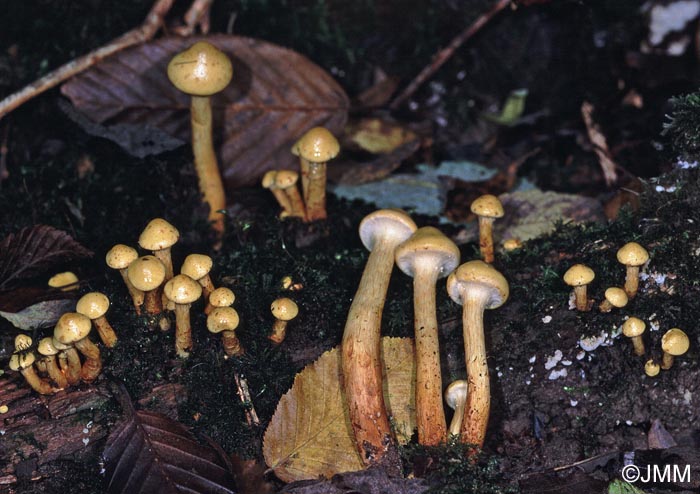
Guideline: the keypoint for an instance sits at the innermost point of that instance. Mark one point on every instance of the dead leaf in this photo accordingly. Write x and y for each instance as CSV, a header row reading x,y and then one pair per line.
x,y
658,437
41,315
152,453
250,476
33,251
310,434
275,96
377,136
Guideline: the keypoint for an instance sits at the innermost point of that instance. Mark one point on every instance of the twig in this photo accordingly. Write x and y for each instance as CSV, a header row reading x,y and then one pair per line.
x,y
4,174
244,394
443,55
600,144
146,31
197,15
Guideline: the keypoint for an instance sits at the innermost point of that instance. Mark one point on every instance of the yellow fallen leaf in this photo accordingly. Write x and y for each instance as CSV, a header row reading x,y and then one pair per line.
x,y
310,434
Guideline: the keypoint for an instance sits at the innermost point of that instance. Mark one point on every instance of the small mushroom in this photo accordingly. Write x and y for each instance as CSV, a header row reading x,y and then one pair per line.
x,y
673,343
614,297
487,208
73,328
225,320
512,244
632,255
268,182
283,310
147,274
119,257
158,237
49,352
221,297
95,305
651,368
286,180
456,399
68,361
315,148
22,362
579,276
24,342
197,267
66,281
633,328
183,291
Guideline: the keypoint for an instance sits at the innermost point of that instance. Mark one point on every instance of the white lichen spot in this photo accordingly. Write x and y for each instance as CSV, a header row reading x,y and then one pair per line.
x,y
685,165
533,359
572,301
665,19
687,397
590,343
580,355
629,422
500,374
553,360
556,374
566,362
573,402
527,382
85,431
547,319
86,440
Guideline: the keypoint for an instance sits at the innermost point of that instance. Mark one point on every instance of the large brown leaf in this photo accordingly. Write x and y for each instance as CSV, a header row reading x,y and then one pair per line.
x,y
276,94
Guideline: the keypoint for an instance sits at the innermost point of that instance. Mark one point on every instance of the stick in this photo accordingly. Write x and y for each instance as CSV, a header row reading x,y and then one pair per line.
x,y
197,15
600,144
443,55
244,394
146,31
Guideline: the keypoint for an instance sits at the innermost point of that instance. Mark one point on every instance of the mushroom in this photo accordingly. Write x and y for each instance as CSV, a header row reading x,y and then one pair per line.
x,y
49,351
381,232
633,328
673,343
315,148
119,257
22,362
147,273
224,320
202,71
632,255
183,291
286,180
487,208
158,237
456,399
579,276
73,328
268,182
24,342
614,297
197,267
477,286
221,297
283,310
651,368
68,361
95,305
427,256
66,281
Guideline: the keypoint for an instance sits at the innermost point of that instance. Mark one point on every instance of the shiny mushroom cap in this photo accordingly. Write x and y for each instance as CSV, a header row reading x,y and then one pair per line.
x,y
222,319
675,342
633,327
317,145
578,275
201,70
59,346
20,361
72,327
120,256
284,309
616,297
286,178
478,275
488,206
158,235
632,254
182,290
455,392
428,246
23,341
651,368
93,305
64,279
386,223
196,266
146,273
46,346
222,297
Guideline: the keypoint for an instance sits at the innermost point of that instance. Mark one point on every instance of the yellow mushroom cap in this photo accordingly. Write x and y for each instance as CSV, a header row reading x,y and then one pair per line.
x,y
146,273
20,361
120,256
222,297
578,275
286,178
59,346
182,289
284,309
268,180
428,245
201,70
455,392
46,346
72,327
222,319
196,266
158,235
63,279
23,341
632,254
512,244
633,327
93,305
675,342
488,206
651,368
478,274
386,223
317,145
616,296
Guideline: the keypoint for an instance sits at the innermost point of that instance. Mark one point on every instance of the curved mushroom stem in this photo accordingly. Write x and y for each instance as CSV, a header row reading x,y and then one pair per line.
x,y
55,373
210,183
304,167
279,331
486,238
316,197
38,384
93,363
632,281
231,343
207,286
137,296
69,362
456,424
638,345
183,330
581,298
430,417
605,306
666,361
296,203
164,256
106,332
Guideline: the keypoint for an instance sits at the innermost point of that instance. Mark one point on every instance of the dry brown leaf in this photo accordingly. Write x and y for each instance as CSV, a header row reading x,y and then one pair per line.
x,y
310,434
275,96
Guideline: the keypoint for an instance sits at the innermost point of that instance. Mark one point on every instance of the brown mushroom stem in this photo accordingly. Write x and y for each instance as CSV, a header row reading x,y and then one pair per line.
x,y
581,298
69,362
279,331
296,203
183,330
666,360
486,238
137,296
316,197
55,373
210,183
638,345
106,332
231,343
605,306
283,200
632,281
207,286
38,384
304,167
153,302
93,363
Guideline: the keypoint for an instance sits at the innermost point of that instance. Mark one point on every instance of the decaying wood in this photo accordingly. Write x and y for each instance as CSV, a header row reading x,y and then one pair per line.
x,y
600,144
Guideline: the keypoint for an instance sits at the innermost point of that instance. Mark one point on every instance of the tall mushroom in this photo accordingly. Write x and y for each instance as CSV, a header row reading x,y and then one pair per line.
x,y
22,362
95,305
183,291
147,274
315,148
633,328
579,276
49,352
197,267
158,237
73,329
202,71
487,208
380,232
427,256
283,310
477,286
119,257
632,255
